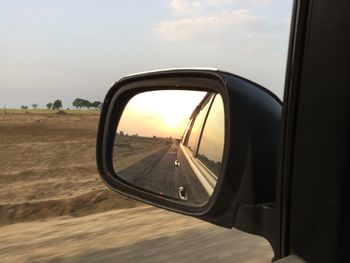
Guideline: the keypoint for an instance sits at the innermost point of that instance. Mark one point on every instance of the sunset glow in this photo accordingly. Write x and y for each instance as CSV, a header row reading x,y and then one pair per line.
x,y
159,113
172,121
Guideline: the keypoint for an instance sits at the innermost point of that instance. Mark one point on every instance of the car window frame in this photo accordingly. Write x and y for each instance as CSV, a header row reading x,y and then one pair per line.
x,y
210,176
210,96
200,139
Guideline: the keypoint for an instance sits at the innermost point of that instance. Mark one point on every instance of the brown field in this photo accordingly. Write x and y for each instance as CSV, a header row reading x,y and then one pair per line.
x,y
54,207
48,168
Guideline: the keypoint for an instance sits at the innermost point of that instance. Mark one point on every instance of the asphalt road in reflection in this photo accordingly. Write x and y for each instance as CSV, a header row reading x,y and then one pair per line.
x,y
155,172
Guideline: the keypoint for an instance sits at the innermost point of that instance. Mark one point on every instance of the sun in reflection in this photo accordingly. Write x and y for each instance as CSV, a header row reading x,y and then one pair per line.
x,y
172,121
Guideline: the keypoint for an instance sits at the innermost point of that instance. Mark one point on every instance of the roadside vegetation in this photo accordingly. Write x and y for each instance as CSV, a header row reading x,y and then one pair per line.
x,y
49,112
82,107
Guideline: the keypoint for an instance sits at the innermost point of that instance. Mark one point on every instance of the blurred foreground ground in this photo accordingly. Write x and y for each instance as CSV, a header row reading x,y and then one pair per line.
x,y
54,208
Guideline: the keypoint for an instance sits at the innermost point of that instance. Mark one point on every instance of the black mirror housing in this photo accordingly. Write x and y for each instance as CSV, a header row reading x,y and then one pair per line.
x,y
252,131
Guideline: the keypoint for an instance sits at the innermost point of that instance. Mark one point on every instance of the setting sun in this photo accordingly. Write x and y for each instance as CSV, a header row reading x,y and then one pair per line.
x,y
172,121
159,113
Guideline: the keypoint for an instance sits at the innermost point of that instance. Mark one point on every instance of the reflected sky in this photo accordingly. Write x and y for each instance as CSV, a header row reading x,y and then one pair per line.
x,y
159,113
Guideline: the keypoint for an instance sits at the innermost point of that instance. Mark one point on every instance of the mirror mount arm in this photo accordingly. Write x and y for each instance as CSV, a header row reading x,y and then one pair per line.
x,y
260,219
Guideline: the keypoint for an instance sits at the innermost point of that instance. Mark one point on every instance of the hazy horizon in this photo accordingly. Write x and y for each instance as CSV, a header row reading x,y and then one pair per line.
x,y
77,49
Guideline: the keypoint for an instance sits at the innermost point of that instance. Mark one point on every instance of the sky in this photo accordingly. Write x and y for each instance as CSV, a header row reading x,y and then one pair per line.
x,y
157,113
66,49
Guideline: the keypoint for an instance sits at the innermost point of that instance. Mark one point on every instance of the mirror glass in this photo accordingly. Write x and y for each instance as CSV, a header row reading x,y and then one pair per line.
x,y
171,142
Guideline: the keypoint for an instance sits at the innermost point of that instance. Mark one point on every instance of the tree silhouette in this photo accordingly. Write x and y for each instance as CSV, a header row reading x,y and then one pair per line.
x,y
57,104
35,105
81,103
97,104
77,103
49,105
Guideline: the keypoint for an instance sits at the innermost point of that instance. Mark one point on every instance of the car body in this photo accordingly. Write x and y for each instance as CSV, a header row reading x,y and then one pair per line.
x,y
305,213
199,167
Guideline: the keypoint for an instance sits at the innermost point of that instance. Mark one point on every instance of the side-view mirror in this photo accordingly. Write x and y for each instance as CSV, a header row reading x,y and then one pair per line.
x,y
171,143
199,142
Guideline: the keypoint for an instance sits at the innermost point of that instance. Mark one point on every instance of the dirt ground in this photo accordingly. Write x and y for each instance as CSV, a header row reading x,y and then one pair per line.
x,y
48,168
54,207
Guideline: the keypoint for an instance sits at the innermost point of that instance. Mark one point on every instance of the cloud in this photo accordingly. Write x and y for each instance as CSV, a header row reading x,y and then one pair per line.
x,y
208,29
218,2
185,7
224,25
182,7
208,23
210,46
259,2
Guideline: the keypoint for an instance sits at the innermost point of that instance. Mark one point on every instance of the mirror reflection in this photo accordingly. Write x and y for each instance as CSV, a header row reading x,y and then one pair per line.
x,y
171,142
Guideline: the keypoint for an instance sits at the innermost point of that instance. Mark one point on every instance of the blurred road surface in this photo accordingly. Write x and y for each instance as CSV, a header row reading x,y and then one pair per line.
x,y
142,234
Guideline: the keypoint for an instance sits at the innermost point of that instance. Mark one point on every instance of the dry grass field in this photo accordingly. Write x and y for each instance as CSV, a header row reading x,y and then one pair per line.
x,y
48,168
54,207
